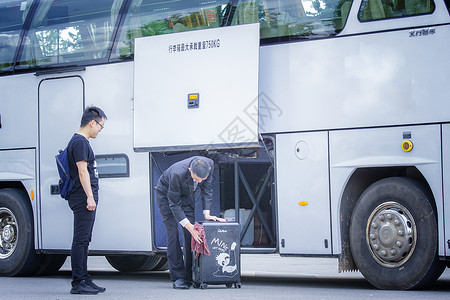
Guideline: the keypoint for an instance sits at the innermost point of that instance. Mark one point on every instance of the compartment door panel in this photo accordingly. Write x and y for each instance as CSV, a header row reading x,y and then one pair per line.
x,y
303,193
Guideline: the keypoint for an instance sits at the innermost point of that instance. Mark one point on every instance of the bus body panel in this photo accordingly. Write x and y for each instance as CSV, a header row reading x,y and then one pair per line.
x,y
19,165
382,147
303,193
378,79
124,211
18,114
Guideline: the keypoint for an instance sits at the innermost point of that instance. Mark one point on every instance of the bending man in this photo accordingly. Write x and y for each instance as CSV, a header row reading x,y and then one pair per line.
x,y
175,198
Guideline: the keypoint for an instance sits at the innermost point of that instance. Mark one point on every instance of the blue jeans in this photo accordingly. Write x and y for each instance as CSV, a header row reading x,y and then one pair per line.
x,y
83,223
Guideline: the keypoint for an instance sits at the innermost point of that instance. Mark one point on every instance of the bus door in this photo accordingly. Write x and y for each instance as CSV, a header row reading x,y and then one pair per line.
x,y
61,103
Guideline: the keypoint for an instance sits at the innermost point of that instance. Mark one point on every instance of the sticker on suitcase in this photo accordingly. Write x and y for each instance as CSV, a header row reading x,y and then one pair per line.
x,y
225,257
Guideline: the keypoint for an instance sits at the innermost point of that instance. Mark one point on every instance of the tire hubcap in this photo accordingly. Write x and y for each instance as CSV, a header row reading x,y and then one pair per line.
x,y
391,234
8,233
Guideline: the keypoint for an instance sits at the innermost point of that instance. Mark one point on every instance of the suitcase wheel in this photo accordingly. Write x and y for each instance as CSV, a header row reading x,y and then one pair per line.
x,y
237,285
203,286
229,285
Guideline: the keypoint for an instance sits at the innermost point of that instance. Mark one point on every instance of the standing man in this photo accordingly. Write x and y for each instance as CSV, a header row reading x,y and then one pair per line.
x,y
83,197
175,198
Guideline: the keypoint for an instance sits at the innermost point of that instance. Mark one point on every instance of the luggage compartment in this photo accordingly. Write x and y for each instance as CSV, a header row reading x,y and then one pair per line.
x,y
243,191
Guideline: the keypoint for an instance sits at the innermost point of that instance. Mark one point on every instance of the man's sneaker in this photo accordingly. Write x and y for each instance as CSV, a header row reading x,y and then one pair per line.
x,y
83,288
180,284
98,288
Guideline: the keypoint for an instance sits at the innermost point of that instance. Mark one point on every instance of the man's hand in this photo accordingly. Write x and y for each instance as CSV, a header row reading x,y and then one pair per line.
x,y
195,234
91,205
214,218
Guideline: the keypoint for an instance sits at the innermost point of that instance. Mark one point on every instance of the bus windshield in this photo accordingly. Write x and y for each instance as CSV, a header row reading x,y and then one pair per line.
x,y
12,17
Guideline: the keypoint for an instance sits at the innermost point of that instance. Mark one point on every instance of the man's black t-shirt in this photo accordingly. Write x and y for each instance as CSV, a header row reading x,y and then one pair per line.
x,y
80,150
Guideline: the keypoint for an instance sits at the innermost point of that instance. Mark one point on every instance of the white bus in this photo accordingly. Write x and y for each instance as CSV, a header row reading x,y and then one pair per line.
x,y
350,155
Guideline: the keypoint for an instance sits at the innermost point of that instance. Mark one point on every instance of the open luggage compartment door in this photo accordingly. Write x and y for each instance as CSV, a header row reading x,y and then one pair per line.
x,y
197,90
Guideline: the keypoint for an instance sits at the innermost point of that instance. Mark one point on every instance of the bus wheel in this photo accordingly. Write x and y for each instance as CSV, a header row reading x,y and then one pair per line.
x,y
134,263
393,235
163,264
17,254
51,263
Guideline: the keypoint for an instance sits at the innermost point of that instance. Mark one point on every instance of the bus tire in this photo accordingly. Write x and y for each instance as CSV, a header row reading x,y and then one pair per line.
x,y
134,263
50,265
163,264
17,253
394,236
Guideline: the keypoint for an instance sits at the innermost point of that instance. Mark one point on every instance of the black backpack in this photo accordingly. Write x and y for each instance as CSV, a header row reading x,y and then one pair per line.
x,y
65,183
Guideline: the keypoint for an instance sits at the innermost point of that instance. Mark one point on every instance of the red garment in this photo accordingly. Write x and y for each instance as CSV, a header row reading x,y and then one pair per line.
x,y
199,248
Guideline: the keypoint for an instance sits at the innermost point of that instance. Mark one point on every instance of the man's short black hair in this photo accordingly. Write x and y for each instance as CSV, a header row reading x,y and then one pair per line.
x,y
92,113
200,167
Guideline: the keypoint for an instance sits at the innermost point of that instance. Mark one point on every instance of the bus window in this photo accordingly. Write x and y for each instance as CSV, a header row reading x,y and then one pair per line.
x,y
246,11
150,17
12,17
387,9
294,19
113,165
302,19
447,3
64,32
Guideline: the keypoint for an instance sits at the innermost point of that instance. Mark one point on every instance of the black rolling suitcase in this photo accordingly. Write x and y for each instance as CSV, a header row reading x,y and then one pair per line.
x,y
223,265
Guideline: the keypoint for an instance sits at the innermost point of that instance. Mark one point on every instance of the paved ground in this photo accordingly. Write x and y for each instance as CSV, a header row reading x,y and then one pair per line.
x,y
262,265
263,277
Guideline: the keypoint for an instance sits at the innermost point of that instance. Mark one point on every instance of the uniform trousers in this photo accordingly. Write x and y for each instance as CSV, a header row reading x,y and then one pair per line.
x,y
179,267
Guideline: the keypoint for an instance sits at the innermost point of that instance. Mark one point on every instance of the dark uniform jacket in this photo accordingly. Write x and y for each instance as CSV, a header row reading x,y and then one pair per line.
x,y
177,182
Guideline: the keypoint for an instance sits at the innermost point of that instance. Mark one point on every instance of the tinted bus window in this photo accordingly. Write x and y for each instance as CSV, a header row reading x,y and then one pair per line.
x,y
12,17
147,17
290,19
447,3
386,9
113,165
64,32
303,19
